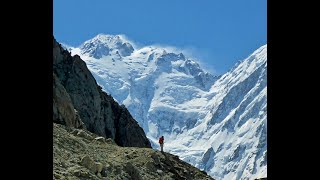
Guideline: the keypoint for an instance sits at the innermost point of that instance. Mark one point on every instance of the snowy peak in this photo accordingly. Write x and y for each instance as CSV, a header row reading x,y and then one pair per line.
x,y
215,123
106,45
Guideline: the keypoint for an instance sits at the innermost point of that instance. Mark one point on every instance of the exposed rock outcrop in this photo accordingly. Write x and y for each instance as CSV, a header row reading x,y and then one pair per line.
x,y
77,97
63,109
80,156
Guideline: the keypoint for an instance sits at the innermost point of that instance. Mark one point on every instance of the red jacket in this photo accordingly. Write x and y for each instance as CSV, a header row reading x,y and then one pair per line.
x,y
161,139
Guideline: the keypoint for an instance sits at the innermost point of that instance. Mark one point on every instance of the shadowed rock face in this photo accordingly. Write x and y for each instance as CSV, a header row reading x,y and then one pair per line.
x,y
77,97
63,109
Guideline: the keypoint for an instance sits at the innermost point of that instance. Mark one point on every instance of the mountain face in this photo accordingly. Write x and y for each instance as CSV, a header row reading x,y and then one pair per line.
x,y
63,109
105,45
216,123
79,154
77,98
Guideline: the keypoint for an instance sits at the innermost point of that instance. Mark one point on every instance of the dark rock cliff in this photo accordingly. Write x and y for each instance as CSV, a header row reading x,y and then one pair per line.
x,y
77,98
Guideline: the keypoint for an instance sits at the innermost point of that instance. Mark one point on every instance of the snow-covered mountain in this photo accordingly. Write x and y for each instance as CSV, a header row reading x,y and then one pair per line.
x,y
106,45
217,123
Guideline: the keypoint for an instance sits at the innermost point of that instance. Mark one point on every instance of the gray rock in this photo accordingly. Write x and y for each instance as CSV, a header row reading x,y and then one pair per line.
x,y
100,139
104,172
99,175
63,164
83,134
159,171
109,141
87,162
99,167
84,174
77,173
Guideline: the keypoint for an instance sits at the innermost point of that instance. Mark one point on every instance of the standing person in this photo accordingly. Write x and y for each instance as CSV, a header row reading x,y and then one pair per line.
x,y
161,139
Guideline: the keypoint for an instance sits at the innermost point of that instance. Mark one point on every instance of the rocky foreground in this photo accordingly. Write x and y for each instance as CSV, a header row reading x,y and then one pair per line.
x,y
80,154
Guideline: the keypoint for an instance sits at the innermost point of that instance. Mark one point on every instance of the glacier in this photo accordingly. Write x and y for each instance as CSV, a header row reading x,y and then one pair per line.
x,y
216,123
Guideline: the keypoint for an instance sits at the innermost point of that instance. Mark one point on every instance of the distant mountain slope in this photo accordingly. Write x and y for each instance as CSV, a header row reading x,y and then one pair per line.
x,y
234,131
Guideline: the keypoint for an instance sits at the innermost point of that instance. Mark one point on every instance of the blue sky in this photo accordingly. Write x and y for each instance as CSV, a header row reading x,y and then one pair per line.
x,y
218,32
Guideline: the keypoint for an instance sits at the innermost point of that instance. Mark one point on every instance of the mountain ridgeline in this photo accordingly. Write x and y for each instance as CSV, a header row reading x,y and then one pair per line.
x,y
79,102
216,123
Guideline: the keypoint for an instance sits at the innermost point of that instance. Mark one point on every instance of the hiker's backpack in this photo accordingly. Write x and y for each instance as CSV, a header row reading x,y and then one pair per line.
x,y
161,140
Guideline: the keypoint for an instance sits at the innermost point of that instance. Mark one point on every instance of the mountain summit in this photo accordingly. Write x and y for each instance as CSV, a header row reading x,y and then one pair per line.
x,y
106,45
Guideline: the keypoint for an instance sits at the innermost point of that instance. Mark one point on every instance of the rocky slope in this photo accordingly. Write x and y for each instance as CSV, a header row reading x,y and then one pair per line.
x,y
77,98
80,154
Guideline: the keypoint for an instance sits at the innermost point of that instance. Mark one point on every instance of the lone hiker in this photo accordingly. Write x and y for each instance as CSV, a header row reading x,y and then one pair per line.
x,y
161,139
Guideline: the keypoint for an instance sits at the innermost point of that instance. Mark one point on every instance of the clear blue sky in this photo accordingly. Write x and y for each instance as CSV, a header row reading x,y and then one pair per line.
x,y
220,32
